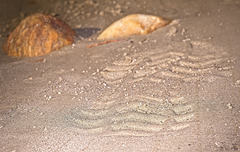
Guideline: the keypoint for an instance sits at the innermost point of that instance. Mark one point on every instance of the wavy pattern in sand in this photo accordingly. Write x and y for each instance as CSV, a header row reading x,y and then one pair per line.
x,y
137,115
150,111
154,66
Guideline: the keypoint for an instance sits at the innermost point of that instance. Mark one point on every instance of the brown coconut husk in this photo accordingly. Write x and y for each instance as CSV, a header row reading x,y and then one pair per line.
x,y
38,35
134,24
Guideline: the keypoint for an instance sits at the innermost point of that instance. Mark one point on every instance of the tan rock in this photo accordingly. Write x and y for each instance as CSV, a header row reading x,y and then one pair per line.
x,y
38,35
135,24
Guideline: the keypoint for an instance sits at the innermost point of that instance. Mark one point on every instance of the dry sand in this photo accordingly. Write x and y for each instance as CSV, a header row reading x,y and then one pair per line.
x,y
176,89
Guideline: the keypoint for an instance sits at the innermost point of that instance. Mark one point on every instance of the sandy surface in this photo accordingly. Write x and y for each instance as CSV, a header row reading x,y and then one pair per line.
x,y
176,89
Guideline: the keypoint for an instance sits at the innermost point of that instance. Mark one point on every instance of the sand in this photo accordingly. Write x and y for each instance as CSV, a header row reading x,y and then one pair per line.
x,y
175,89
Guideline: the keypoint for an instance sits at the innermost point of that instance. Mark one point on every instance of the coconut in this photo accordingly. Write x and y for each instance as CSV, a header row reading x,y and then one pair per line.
x,y
38,35
135,24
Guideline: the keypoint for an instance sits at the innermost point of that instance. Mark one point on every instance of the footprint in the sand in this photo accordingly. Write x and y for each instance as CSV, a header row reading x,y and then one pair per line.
x,y
157,66
149,112
137,115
